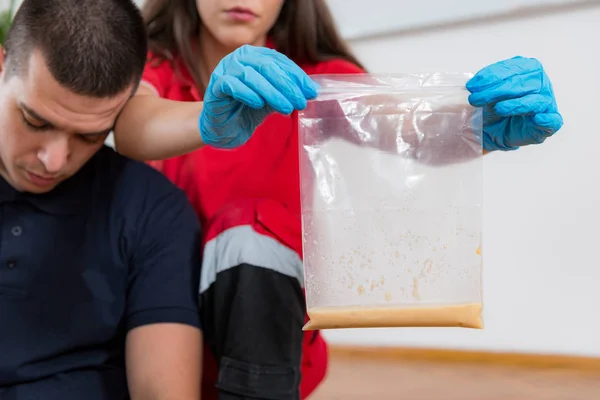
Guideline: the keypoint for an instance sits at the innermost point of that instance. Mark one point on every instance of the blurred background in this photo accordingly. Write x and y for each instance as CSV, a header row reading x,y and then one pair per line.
x,y
541,217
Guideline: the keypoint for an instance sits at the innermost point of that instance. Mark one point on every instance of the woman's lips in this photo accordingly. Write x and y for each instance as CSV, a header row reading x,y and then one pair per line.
x,y
241,14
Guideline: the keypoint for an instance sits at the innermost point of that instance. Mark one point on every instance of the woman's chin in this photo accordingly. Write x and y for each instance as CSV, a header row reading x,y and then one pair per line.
x,y
240,37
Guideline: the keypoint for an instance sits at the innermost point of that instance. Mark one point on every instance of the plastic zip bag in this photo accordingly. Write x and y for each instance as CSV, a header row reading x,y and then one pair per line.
x,y
391,189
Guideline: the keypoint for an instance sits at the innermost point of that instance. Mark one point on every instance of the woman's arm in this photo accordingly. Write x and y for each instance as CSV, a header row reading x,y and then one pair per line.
x,y
152,128
236,103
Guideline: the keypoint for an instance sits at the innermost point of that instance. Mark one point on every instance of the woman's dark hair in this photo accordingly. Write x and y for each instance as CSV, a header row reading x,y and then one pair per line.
x,y
305,32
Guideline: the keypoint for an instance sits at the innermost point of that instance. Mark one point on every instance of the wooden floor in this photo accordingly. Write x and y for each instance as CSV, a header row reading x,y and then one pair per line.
x,y
360,379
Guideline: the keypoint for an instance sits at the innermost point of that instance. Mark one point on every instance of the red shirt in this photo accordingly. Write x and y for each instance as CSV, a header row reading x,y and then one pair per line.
x,y
259,179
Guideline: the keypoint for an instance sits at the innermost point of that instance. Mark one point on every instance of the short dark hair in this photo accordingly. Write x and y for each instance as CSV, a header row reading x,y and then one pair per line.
x,y
95,48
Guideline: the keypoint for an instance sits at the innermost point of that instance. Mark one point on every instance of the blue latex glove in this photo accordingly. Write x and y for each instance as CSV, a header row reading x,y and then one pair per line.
x,y
518,103
247,86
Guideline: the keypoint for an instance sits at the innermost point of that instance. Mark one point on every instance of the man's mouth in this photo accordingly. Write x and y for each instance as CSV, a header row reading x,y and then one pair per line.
x,y
42,180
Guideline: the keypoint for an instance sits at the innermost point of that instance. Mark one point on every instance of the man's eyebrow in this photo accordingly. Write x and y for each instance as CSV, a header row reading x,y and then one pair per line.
x,y
39,118
34,114
98,133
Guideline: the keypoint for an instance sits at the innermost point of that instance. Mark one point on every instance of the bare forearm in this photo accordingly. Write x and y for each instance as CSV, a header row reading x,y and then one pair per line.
x,y
152,128
164,362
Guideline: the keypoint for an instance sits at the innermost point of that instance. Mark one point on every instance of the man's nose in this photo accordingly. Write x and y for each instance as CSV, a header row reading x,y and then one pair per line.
x,y
55,153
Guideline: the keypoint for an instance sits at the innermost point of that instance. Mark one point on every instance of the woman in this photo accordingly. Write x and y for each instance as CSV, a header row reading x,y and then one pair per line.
x,y
247,197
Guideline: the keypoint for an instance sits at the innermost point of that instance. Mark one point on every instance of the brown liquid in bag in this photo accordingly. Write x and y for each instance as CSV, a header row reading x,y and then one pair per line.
x,y
457,315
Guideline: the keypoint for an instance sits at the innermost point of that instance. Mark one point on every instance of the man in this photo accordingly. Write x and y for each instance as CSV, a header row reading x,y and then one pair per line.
x,y
97,251
99,263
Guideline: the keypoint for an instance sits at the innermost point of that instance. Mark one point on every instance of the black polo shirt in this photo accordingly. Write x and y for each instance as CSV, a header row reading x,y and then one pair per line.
x,y
113,248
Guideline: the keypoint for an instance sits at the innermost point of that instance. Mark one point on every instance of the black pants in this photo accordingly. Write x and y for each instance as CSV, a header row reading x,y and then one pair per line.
x,y
252,320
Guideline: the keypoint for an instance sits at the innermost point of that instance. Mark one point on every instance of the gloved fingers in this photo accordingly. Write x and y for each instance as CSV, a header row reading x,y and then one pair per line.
x,y
528,104
549,122
511,88
280,79
308,87
502,70
492,143
230,86
299,77
271,95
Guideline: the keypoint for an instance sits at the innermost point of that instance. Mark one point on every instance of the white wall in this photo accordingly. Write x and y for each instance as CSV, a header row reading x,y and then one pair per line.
x,y
4,4
392,15
541,204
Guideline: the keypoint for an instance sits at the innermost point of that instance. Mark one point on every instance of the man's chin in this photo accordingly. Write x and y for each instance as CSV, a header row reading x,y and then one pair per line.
x,y
38,190
31,184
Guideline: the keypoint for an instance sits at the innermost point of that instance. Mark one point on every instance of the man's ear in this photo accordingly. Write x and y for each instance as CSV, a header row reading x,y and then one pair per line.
x,y
2,55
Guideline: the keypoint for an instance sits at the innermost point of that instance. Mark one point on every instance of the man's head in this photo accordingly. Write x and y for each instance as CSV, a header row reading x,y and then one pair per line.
x,y
68,69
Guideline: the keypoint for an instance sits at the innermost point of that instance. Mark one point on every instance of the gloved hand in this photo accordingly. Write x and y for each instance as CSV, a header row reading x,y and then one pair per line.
x,y
518,103
247,86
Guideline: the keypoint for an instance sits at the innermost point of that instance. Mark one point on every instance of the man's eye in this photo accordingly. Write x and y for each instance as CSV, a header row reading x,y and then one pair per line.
x,y
91,139
34,126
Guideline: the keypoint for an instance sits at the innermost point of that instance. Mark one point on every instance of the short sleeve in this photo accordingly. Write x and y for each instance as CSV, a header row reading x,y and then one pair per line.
x,y
157,75
165,265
